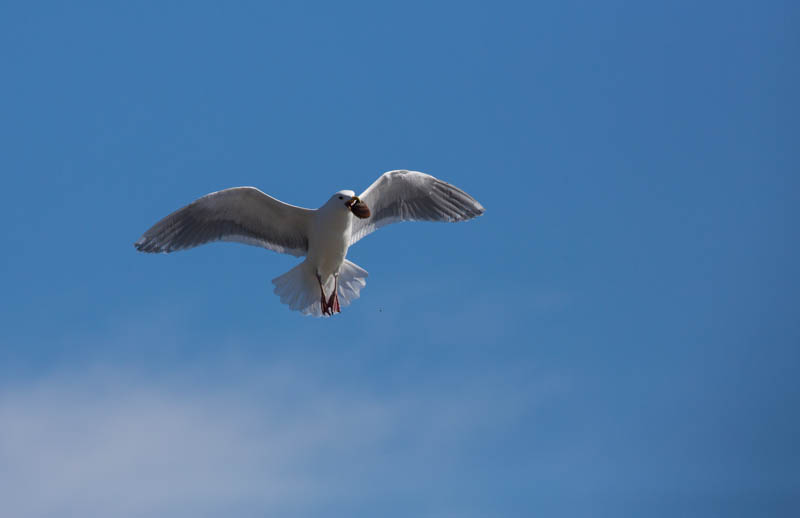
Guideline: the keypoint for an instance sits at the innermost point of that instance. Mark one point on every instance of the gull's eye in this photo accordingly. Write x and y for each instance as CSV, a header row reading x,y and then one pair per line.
x,y
341,198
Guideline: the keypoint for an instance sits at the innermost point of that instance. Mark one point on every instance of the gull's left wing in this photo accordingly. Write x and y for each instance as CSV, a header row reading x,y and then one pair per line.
x,y
241,214
412,196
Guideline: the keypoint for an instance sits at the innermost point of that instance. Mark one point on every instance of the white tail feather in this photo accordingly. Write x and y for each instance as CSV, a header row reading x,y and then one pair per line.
x,y
299,289
351,279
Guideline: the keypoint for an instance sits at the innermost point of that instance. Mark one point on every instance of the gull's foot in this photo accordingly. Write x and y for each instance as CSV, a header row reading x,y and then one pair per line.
x,y
325,307
333,302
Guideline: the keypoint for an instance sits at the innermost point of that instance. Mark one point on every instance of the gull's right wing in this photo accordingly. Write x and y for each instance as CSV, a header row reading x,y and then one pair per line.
x,y
412,196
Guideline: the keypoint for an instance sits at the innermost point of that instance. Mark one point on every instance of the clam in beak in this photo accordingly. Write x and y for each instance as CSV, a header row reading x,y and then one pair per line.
x,y
358,207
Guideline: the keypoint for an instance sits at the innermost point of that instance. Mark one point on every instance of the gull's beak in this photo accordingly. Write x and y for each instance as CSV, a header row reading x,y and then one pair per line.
x,y
358,207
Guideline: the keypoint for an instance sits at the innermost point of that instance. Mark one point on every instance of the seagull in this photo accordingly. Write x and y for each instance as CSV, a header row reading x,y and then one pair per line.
x,y
247,215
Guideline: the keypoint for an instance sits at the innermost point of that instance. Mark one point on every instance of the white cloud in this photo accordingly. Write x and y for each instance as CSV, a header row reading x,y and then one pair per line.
x,y
276,441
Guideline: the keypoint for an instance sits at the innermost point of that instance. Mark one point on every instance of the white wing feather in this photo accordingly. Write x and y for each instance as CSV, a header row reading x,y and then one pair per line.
x,y
240,214
412,196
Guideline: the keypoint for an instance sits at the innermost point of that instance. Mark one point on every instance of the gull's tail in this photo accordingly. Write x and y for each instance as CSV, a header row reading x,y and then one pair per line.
x,y
299,289
352,278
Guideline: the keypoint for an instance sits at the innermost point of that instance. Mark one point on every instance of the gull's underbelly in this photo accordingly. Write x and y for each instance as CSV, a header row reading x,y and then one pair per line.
x,y
327,248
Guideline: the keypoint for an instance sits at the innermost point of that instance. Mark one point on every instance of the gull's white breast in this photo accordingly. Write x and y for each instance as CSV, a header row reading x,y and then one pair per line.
x,y
328,240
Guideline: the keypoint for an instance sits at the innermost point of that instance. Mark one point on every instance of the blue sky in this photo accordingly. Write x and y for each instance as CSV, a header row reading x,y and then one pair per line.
x,y
617,336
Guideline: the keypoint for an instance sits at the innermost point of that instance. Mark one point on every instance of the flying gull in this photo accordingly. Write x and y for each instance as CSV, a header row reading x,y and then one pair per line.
x,y
247,215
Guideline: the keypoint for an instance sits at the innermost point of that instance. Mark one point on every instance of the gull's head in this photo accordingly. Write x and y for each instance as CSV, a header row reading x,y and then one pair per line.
x,y
349,201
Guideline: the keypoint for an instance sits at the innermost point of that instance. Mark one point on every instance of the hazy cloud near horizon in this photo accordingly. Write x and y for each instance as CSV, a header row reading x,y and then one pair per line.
x,y
267,440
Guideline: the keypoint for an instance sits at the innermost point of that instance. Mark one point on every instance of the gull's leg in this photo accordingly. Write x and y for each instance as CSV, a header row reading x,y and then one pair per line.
x,y
333,302
336,295
325,309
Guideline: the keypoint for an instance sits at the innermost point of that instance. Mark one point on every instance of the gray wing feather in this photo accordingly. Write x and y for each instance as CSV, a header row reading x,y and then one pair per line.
x,y
241,214
412,196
